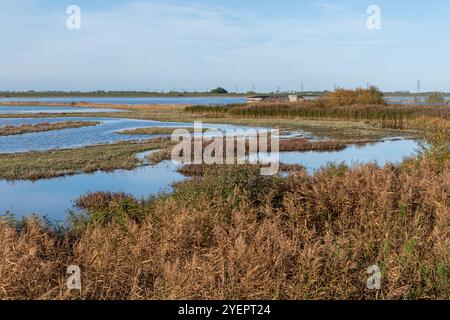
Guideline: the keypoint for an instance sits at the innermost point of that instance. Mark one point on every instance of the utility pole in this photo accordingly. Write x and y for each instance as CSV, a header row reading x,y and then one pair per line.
x,y
418,86
302,87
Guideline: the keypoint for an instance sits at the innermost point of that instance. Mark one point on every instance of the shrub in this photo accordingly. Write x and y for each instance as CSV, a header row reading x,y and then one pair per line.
x,y
435,144
436,98
106,207
342,97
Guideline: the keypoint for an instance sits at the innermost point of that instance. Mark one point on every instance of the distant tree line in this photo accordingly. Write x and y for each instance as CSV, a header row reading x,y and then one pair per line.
x,y
102,93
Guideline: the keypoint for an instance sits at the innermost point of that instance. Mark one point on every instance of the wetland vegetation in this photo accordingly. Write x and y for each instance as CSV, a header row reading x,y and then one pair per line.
x,y
231,233
155,131
234,234
56,163
42,127
344,114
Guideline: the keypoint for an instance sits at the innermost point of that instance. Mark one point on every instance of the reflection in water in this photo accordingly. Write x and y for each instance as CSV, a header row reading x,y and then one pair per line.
x,y
53,197
106,132
381,153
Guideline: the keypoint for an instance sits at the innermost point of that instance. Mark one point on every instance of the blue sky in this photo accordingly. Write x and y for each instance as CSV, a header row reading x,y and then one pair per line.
x,y
188,45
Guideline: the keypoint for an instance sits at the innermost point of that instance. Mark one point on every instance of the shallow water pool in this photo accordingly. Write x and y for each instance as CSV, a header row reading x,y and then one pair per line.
x,y
53,197
39,109
105,132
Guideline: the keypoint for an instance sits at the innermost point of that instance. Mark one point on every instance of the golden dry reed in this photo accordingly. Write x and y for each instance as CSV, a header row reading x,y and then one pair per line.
x,y
346,105
235,234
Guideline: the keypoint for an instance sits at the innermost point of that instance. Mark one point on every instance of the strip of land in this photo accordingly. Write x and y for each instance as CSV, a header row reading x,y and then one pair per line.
x,y
155,131
346,123
199,170
57,163
42,127
286,145
109,157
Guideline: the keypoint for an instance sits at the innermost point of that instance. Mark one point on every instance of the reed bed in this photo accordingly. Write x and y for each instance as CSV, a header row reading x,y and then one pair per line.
x,y
196,170
41,127
199,170
148,131
285,145
392,116
237,235
349,105
303,145
62,162
343,97
156,131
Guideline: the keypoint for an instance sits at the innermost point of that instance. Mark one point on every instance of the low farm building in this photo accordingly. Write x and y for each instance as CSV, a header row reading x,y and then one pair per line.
x,y
275,98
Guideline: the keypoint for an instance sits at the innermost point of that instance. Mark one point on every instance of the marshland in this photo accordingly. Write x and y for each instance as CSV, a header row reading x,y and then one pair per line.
x,y
259,151
361,182
41,127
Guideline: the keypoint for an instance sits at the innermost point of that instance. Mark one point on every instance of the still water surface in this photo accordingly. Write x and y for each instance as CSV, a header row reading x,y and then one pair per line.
x,y
192,100
39,109
105,132
390,151
131,101
54,197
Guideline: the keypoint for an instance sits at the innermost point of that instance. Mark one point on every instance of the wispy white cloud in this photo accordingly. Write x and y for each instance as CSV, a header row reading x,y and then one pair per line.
x,y
145,44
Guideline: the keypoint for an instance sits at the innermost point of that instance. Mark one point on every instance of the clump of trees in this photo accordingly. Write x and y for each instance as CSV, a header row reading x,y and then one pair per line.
x,y
219,90
359,96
